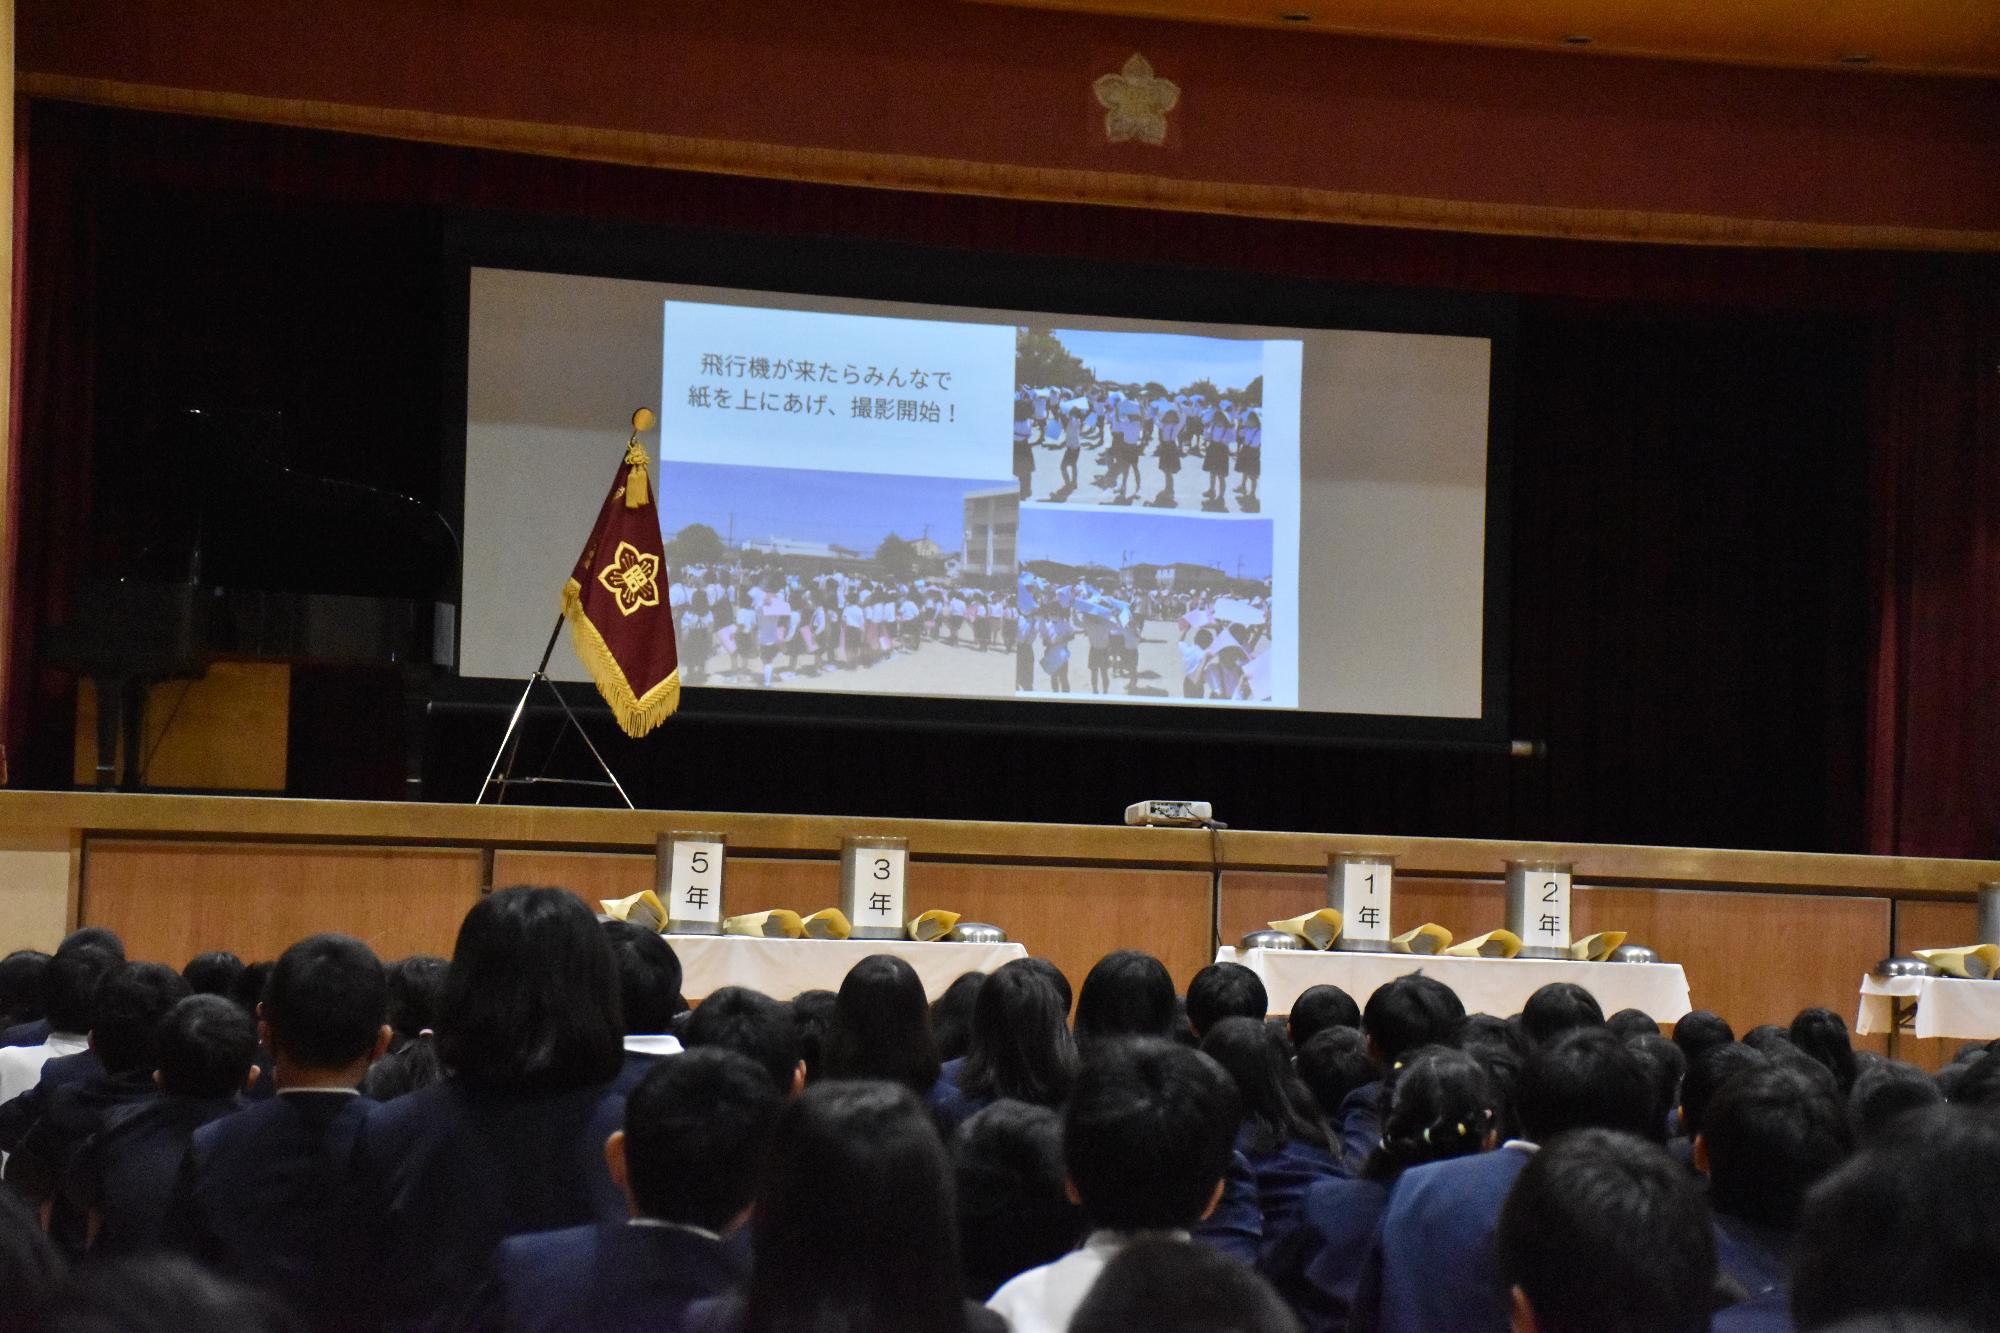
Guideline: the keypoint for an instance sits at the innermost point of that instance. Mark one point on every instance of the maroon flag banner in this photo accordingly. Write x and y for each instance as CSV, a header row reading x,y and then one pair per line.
x,y
616,604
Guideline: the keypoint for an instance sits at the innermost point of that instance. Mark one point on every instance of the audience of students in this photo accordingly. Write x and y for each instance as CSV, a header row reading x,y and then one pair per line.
x,y
539,1135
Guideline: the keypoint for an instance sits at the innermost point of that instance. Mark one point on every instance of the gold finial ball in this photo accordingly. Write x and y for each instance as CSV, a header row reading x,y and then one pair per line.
x,y
644,419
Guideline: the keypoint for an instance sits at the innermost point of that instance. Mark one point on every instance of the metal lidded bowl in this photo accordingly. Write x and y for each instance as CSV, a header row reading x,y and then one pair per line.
x,y
975,932
1633,953
1891,968
1269,939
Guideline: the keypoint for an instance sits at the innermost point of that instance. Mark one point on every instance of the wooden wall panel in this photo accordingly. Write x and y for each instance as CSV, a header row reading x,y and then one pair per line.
x,y
1933,925
172,900
1070,916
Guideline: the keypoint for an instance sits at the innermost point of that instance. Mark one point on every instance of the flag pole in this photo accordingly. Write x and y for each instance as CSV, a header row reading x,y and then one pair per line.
x,y
514,722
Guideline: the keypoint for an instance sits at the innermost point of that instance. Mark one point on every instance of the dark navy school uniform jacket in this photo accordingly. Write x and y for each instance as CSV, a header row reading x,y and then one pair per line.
x,y
1434,1270
631,1277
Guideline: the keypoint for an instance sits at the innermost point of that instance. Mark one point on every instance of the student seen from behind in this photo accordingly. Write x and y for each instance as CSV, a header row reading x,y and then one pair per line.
x,y
696,1131
1604,1234
259,1192
124,1177
1147,1136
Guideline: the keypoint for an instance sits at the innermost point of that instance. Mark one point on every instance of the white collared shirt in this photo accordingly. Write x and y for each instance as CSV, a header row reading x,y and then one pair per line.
x,y
651,1043
665,1225
1043,1300
21,1066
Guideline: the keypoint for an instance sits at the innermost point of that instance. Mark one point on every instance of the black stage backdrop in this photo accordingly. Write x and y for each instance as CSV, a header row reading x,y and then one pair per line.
x,y
1698,571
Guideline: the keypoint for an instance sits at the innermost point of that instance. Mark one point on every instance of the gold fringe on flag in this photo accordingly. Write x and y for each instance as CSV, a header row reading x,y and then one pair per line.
x,y
636,715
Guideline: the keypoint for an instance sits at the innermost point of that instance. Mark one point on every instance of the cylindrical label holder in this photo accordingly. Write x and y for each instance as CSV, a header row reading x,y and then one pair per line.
x,y
1361,887
871,886
688,878
1538,906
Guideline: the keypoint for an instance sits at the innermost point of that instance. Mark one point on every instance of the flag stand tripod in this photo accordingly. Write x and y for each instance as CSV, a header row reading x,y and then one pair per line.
x,y
510,742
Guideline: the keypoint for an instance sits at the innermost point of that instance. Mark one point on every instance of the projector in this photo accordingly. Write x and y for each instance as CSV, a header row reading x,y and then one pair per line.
x,y
1170,814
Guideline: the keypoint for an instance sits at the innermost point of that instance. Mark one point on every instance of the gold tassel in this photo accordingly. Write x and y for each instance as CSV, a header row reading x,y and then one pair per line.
x,y
637,493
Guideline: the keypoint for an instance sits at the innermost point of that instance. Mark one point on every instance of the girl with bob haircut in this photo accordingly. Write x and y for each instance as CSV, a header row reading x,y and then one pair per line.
x,y
1021,1048
511,1140
856,1224
882,1026
1128,994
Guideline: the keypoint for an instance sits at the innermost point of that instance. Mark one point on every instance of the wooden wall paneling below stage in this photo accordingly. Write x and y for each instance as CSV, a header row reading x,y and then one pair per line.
x,y
1071,916
1751,957
1932,925
172,900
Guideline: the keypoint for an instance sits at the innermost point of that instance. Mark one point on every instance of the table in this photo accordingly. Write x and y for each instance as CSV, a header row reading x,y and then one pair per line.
x,y
783,968
1498,986
1944,1006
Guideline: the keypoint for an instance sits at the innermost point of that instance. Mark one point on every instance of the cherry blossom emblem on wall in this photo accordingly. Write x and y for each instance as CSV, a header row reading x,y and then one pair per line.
x,y
1136,102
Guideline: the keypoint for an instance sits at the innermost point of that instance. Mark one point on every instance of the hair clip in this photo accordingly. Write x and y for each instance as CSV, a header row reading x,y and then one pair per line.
x,y
1427,1135
1461,1129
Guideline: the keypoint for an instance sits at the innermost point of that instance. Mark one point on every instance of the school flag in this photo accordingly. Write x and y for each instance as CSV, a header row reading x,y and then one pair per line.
x,y
616,603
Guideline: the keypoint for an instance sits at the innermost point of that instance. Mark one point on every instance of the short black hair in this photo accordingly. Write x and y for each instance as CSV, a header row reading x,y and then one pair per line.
x,y
649,977
1225,990
1334,1062
881,1026
812,1014
1410,1012
216,972
1319,1008
1502,1049
751,1024
21,985
69,987
1126,994
1171,1286
1765,1036
1584,1079
207,1046
1885,1091
1665,1068
1906,1226
1148,1133
250,985
326,1001
1603,1233
416,986
92,937
1699,1030
131,1000
1822,1035
1013,1210
1771,1135
1978,1084
531,1001
1559,1007
1707,1073
696,1128
1628,1024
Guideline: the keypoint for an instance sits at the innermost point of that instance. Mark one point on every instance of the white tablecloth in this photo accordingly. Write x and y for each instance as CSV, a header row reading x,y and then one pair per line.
x,y
1498,986
1946,1006
783,968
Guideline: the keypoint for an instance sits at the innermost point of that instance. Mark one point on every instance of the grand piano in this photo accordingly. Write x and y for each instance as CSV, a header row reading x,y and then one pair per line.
x,y
256,561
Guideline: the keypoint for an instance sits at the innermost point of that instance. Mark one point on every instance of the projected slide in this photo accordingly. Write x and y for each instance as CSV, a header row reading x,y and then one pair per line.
x,y
906,506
